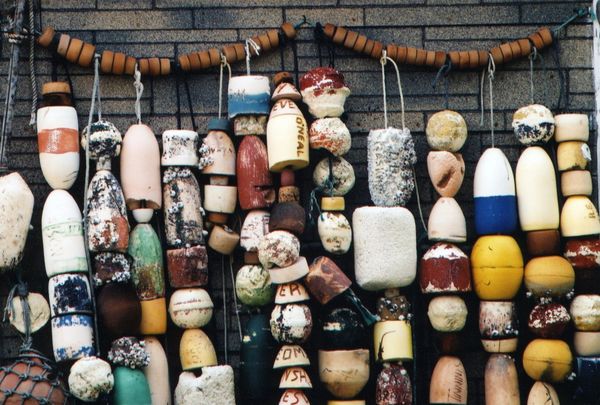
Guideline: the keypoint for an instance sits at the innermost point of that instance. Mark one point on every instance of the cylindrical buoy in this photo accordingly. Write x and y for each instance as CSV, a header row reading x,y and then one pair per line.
x,y
501,381
157,372
287,137
182,208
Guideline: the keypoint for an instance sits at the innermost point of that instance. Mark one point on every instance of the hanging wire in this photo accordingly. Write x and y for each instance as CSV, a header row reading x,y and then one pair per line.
x,y
139,89
532,57
34,87
224,292
383,61
444,72
491,69
250,43
235,303
224,63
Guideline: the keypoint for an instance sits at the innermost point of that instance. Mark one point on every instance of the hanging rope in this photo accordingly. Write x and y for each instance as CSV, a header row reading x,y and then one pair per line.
x,y
225,326
223,64
491,69
34,88
383,61
532,58
235,303
444,72
139,89
250,43
20,290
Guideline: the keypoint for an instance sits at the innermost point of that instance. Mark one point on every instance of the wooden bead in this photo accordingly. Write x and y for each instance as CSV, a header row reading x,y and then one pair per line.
x,y
369,47
144,66
264,42
360,44
165,66
392,51
184,63
87,55
421,56
63,44
402,54
463,61
473,59
288,30
525,46
204,59
454,58
340,35
497,55
546,35
506,52
440,59
536,40
484,58
215,56
119,63
240,51
229,52
430,59
273,38
106,61
516,49
195,61
46,38
411,55
329,30
154,65
377,50
130,65
351,39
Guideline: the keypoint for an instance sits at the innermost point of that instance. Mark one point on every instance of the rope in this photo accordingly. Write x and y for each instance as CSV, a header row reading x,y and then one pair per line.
x,y
491,69
225,331
20,290
419,206
223,64
235,303
383,61
444,72
189,100
34,88
139,89
532,57
250,43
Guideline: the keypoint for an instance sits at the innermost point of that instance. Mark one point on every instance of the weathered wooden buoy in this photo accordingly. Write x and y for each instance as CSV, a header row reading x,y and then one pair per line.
x,y
288,216
548,320
180,148
293,397
104,142
291,356
543,243
70,294
547,360
255,226
344,373
447,313
253,286
497,265
295,377
215,386
89,378
335,232
291,323
448,384
278,249
446,171
16,209
255,185
393,386
290,293
39,312
190,308
495,200
287,137
536,191
58,136
182,208
447,222
147,262
187,267
385,253
256,358
498,326
391,156
501,381
157,372
549,275
444,268
140,154
131,387
324,91
217,151
330,134
196,350
533,124
337,171
107,224
62,235
446,130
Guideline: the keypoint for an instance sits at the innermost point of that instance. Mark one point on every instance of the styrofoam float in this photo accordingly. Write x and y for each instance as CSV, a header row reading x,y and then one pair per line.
x,y
157,372
182,208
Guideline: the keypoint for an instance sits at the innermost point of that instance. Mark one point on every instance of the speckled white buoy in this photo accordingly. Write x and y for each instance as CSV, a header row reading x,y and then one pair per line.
x,y
278,249
343,177
215,386
291,323
335,232
253,286
89,378
447,313
391,156
533,124
190,308
330,134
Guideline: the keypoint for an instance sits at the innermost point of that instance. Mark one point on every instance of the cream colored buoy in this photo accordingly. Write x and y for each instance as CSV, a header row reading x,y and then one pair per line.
x,y
179,148
62,235
447,222
571,127
196,350
542,393
533,124
448,384
16,209
579,217
536,191
335,232
501,381
140,154
446,130
157,372
576,182
447,313
215,387
190,308
344,372
573,155
585,312
392,341
385,247
287,137
217,152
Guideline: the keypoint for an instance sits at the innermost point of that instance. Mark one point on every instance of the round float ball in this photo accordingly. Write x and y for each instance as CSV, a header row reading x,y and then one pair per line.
x,y
253,286
533,124
446,130
291,323
547,360
343,329
548,320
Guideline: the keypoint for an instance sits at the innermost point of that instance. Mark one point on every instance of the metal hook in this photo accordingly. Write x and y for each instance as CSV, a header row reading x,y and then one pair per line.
x,y
304,23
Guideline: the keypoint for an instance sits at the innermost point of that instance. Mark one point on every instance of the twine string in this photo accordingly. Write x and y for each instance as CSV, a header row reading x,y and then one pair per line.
x,y
250,43
224,63
383,61
490,70
139,89
532,57
34,87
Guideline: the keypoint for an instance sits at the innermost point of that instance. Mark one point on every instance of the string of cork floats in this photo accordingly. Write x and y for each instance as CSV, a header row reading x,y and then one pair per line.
x,y
468,59
82,53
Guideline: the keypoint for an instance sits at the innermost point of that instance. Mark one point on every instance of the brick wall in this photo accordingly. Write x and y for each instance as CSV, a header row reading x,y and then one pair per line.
x,y
168,27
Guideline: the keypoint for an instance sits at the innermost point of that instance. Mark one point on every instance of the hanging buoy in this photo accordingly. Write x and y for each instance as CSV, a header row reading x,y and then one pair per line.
x,y
324,91
182,208
533,124
255,185
287,137
157,372
446,130
58,136
180,148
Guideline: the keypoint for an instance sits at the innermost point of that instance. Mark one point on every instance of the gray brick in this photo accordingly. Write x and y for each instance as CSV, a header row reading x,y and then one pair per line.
x,y
417,16
262,18
364,122
495,33
581,80
542,14
198,37
118,20
240,3
575,53
118,4
347,17
68,4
